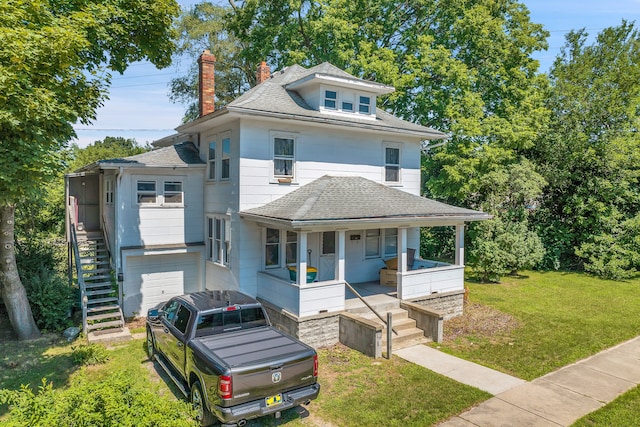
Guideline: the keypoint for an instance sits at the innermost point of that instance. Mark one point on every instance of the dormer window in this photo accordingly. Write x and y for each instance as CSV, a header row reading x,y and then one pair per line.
x,y
364,107
330,99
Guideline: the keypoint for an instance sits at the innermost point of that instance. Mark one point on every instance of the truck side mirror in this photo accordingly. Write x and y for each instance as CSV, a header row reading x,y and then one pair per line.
x,y
154,314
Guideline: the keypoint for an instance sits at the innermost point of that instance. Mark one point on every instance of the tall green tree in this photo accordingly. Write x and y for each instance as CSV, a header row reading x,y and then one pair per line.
x,y
55,62
591,155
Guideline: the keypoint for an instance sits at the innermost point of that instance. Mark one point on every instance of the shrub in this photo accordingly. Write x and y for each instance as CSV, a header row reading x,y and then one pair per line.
x,y
41,266
117,400
92,354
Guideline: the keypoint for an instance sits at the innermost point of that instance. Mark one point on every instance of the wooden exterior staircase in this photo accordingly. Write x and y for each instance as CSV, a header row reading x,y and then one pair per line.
x,y
102,317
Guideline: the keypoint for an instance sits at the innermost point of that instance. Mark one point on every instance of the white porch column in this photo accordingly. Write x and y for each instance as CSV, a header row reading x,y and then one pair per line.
x,y
340,253
301,276
460,244
402,250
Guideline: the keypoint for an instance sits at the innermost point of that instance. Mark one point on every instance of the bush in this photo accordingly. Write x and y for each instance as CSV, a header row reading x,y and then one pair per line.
x,y
503,247
92,354
117,400
41,266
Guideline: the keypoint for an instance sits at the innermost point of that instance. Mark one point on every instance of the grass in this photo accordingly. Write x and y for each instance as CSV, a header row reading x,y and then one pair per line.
x,y
356,390
624,411
561,317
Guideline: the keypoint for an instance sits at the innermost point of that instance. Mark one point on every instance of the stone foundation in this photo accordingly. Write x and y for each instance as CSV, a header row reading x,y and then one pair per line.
x,y
450,304
321,330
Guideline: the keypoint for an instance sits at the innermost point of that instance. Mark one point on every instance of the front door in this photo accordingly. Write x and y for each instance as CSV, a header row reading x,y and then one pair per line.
x,y
327,267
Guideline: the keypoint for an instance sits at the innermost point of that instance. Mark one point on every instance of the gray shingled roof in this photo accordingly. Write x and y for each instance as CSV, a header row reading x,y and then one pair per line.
x,y
333,198
271,98
179,155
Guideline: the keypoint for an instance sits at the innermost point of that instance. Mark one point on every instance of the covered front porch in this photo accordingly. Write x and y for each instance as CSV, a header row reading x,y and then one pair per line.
x,y
326,291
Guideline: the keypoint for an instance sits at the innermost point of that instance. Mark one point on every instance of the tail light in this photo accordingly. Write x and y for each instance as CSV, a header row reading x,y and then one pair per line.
x,y
315,365
225,387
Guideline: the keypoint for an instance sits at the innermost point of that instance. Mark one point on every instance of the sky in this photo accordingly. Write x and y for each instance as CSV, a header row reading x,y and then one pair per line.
x,y
139,107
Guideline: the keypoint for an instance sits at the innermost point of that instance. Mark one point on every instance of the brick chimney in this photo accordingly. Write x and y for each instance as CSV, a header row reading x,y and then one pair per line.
x,y
263,73
206,83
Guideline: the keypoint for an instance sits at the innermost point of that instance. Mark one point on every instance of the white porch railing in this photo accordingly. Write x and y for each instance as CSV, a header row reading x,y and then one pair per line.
x,y
306,300
428,277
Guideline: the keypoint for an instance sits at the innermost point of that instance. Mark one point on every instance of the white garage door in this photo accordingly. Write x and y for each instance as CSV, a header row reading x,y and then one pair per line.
x,y
151,279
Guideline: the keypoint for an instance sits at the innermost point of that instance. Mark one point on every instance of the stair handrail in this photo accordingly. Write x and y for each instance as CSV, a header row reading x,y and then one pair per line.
x,y
81,284
351,288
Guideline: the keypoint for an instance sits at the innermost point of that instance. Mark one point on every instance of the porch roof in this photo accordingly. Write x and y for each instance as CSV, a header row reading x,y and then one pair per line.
x,y
334,200
184,154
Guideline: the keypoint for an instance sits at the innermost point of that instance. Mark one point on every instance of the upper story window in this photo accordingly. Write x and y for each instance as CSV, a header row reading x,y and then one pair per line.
x,y
283,157
173,192
364,106
225,168
392,164
330,99
211,160
160,192
146,193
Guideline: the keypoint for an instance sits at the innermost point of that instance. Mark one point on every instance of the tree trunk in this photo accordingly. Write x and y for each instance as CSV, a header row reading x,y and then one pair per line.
x,y
13,293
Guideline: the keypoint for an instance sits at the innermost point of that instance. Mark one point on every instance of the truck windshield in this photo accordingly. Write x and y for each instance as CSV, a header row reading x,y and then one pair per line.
x,y
242,318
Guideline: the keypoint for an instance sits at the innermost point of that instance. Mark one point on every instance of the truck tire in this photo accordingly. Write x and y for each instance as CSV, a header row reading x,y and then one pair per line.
x,y
151,349
197,400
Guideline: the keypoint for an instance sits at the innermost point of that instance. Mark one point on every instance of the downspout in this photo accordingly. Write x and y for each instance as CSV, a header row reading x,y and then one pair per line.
x,y
116,221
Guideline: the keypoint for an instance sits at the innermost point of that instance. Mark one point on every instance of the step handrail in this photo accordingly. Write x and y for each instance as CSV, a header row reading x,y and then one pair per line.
x,y
351,288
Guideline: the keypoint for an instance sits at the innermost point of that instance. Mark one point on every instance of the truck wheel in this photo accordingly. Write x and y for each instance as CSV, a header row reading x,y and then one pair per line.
x,y
151,350
197,400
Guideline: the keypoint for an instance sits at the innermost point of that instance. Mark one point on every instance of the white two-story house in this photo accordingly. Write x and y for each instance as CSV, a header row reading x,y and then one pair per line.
x,y
289,193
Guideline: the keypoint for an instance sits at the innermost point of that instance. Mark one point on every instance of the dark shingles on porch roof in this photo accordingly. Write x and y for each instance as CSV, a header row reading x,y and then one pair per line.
x,y
352,197
182,154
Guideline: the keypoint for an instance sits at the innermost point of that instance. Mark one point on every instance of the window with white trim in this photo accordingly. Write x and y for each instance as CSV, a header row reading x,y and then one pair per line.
x,y
146,193
211,161
390,241
291,249
392,164
346,104
218,240
283,157
108,191
330,99
372,243
173,192
364,105
272,248
225,159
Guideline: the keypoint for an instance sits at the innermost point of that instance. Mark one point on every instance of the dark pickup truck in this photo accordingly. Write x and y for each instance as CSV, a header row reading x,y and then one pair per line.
x,y
221,351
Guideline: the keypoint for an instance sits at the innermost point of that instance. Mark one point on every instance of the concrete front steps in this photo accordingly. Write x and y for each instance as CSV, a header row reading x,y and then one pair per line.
x,y
404,331
408,333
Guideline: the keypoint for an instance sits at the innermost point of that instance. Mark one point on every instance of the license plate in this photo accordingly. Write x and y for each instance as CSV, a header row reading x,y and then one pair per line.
x,y
273,400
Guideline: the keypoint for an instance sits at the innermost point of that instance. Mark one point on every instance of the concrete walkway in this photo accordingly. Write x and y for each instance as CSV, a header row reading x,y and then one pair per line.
x,y
556,399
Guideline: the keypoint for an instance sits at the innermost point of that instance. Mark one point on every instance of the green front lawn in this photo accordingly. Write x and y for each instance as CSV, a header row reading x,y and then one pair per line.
x,y
356,390
559,319
624,411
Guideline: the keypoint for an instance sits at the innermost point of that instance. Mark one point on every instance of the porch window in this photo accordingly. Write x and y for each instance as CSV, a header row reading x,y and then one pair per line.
x,y
218,240
173,192
291,248
283,157
372,243
391,242
146,192
225,159
391,164
211,161
272,248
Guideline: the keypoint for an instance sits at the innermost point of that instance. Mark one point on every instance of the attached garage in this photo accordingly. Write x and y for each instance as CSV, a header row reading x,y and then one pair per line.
x,y
152,279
